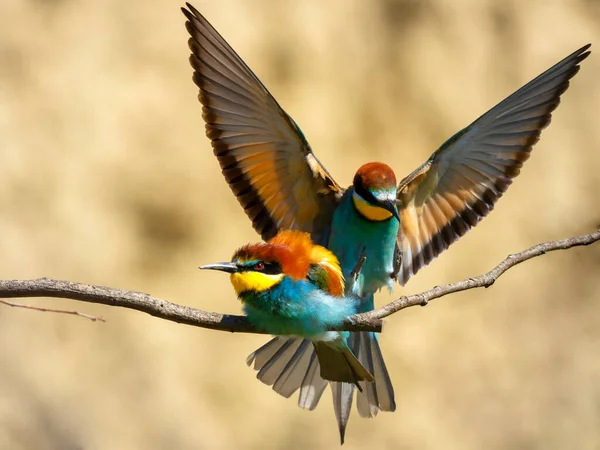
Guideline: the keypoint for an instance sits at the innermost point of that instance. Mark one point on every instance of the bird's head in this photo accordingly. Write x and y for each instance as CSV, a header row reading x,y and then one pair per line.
x,y
374,195
257,268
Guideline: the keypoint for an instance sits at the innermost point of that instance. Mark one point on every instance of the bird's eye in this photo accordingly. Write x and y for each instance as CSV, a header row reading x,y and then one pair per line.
x,y
259,266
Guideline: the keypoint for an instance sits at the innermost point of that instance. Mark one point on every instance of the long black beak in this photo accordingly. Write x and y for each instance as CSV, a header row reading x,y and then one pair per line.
x,y
224,266
390,205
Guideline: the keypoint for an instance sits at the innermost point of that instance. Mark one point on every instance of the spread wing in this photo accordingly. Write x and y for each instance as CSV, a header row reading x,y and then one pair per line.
x,y
463,179
264,156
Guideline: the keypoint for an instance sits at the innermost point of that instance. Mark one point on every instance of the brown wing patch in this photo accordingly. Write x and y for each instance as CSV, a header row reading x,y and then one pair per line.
x,y
263,154
463,180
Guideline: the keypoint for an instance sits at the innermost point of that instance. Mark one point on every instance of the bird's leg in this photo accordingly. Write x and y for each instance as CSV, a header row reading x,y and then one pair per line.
x,y
397,264
359,265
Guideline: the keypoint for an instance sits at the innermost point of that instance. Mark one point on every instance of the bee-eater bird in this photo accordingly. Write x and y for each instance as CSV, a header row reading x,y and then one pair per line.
x,y
291,287
280,183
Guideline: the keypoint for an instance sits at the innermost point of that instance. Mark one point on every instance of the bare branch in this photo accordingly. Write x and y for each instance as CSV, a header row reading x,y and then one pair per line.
x,y
60,311
370,321
485,280
46,287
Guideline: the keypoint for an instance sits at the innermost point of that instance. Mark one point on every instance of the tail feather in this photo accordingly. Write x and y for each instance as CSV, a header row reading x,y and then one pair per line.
x,y
312,385
262,355
292,376
367,402
289,364
281,363
379,395
269,373
341,365
342,394
383,383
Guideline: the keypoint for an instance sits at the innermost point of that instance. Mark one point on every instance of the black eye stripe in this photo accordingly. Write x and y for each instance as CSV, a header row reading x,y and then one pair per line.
x,y
367,195
269,268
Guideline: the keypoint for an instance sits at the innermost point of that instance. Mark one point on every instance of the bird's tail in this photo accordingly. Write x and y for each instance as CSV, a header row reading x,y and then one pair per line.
x,y
380,394
374,396
341,365
289,364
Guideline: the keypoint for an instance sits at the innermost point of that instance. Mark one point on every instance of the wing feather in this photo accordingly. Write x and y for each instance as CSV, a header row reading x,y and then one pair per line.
x,y
461,182
264,156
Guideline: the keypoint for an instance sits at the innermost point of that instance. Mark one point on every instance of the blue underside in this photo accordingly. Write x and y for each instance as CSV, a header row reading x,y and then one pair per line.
x,y
296,308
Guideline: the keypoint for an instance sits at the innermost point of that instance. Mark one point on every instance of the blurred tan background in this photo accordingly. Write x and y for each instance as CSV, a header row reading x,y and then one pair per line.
x,y
106,177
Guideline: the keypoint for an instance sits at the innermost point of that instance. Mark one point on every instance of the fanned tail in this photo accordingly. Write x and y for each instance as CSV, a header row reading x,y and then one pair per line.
x,y
289,364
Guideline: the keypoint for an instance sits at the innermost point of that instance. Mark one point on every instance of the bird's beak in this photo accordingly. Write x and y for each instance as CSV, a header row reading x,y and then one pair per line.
x,y
390,205
224,266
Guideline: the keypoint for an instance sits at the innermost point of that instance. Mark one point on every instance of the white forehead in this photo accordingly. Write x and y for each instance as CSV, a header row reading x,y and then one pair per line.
x,y
385,195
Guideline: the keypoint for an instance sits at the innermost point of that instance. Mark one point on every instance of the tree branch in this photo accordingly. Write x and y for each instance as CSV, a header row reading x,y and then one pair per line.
x,y
370,321
52,310
485,280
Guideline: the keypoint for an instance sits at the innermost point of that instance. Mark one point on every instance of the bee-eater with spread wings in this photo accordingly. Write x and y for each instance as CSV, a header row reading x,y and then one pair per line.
x,y
280,183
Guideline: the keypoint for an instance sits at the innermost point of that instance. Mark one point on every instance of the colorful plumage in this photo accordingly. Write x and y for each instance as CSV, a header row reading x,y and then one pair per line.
x,y
291,287
280,183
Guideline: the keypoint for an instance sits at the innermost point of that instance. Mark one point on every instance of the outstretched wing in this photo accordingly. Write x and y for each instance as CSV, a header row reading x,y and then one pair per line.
x,y
463,179
264,156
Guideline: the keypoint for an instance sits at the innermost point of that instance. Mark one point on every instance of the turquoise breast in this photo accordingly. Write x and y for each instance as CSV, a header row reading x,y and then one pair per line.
x,y
350,233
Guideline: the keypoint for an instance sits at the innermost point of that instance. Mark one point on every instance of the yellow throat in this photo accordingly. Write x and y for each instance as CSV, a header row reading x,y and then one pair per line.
x,y
374,213
254,281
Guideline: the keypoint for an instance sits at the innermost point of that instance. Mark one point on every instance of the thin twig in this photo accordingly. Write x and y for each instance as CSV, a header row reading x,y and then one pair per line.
x,y
370,321
60,311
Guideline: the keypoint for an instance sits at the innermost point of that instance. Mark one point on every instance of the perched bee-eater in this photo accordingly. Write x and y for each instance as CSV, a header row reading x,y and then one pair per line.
x,y
280,183
291,287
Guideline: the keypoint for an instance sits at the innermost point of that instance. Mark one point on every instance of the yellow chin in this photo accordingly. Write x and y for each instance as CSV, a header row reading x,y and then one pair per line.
x,y
374,213
254,281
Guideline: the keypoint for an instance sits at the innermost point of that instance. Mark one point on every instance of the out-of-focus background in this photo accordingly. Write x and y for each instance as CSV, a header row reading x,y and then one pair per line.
x,y
107,178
